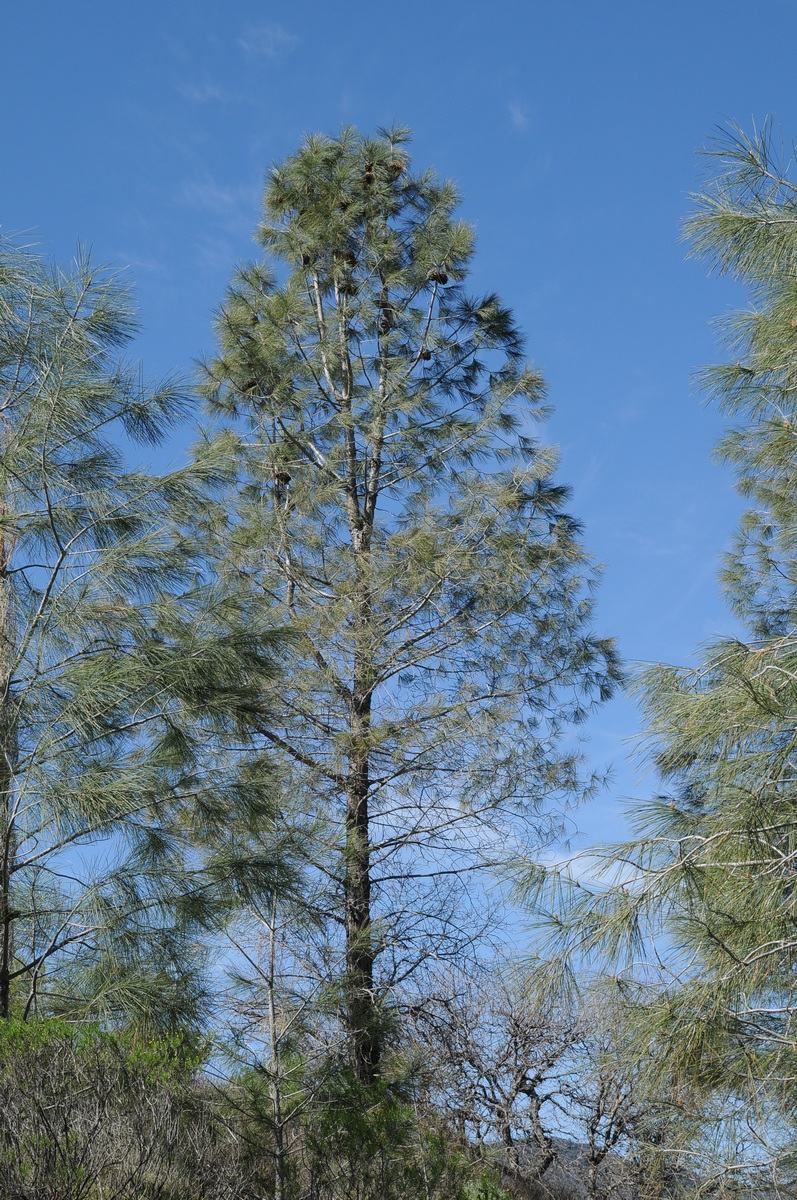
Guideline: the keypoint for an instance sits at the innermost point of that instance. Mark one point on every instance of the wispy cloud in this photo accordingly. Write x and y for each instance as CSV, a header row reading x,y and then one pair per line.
x,y
518,116
207,93
222,200
227,213
266,41
138,262
214,253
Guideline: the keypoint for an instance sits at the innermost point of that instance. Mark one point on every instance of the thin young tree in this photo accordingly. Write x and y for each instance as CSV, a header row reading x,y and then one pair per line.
x,y
118,683
395,512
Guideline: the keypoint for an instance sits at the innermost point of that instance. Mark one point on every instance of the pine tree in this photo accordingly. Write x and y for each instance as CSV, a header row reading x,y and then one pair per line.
x,y
707,899
395,513
117,681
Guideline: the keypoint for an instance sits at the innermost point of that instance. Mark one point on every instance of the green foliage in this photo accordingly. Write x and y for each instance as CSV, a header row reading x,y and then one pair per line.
x,y
484,1188
723,736
710,875
745,225
162,1060
376,1142
359,1137
332,1137
120,671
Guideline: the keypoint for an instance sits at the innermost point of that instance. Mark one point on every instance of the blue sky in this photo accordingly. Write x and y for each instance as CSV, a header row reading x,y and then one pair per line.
x,y
571,127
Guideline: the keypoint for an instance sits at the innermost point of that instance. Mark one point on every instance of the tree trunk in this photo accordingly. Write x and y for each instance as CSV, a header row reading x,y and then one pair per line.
x,y
364,1038
365,1042
7,767
275,1069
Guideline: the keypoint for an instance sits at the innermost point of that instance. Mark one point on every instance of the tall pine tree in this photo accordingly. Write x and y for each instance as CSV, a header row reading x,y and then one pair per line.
x,y
395,513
